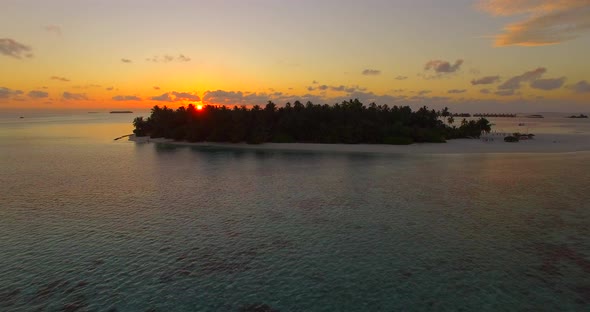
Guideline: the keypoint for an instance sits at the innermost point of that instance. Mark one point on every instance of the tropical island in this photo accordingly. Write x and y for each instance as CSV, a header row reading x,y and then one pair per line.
x,y
578,116
349,122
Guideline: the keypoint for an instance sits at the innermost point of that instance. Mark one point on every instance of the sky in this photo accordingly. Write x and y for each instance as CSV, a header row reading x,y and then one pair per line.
x,y
469,55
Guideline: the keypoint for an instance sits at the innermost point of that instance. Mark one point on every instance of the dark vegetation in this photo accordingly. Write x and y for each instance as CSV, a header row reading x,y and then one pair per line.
x,y
349,122
578,116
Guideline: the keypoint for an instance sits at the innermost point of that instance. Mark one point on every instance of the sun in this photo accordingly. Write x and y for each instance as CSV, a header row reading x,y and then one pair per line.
x,y
199,107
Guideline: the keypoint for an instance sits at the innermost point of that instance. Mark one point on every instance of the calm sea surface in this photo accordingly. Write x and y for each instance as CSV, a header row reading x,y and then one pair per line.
x,y
92,224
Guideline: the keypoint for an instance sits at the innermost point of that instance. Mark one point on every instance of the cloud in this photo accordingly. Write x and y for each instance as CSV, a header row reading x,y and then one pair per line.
x,y
323,87
169,58
221,97
314,82
12,48
110,88
124,60
126,98
38,94
507,92
156,88
53,29
401,77
485,91
443,67
581,87
176,96
485,80
515,82
59,78
6,92
310,88
371,72
74,96
423,92
547,22
548,84
456,91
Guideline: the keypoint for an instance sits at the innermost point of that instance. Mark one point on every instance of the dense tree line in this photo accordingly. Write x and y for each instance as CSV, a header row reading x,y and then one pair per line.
x,y
348,122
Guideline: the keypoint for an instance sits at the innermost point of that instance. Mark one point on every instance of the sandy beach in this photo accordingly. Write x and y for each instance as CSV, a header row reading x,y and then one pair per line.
x,y
543,143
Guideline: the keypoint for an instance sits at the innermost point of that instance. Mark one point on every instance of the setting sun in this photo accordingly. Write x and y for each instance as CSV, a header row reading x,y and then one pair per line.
x,y
199,107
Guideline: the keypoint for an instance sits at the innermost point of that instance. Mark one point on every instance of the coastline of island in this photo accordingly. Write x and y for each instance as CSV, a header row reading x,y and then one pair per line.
x,y
543,143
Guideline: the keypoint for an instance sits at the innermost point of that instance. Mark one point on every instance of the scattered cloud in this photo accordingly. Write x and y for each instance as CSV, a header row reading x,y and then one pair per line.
x,y
6,92
88,86
323,87
485,80
110,88
126,98
221,97
169,58
59,78
423,92
310,89
12,48
456,91
547,22
176,96
314,82
506,92
74,96
515,82
581,87
124,60
401,77
443,67
485,91
38,94
156,88
548,84
371,72
53,29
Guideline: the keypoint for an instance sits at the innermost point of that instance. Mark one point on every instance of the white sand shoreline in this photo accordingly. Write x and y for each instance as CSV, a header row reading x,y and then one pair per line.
x,y
543,143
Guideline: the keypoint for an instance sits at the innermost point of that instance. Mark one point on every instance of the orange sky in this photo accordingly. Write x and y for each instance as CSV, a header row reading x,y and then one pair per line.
x,y
491,55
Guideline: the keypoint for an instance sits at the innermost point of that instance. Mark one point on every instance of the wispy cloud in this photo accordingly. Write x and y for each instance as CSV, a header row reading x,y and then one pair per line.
x,y
12,48
548,84
456,91
371,72
35,94
581,87
176,96
485,80
443,67
401,77
156,88
169,58
7,92
124,60
74,96
126,98
59,78
516,81
53,29
547,22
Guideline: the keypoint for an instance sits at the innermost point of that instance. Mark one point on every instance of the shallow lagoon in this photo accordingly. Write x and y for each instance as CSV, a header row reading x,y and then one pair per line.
x,y
95,224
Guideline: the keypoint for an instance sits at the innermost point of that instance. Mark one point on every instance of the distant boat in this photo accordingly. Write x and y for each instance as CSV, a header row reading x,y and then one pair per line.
x,y
521,124
21,117
121,112
535,116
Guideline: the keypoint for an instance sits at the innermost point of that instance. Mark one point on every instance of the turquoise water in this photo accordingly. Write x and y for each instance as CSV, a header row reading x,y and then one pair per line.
x,y
89,224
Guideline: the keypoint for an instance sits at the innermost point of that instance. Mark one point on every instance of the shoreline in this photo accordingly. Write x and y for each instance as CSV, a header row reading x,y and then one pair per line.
x,y
542,143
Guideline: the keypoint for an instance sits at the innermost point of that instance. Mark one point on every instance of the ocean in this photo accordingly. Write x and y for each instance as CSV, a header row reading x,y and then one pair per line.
x,y
92,224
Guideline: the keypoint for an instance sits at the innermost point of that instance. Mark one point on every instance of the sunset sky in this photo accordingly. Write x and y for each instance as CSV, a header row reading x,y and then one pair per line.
x,y
491,55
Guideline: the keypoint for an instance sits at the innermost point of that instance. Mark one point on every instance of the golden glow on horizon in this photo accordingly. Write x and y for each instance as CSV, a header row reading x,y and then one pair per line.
x,y
199,107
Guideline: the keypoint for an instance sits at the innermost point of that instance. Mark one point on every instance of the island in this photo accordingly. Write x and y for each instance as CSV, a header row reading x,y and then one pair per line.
x,y
121,112
349,122
579,116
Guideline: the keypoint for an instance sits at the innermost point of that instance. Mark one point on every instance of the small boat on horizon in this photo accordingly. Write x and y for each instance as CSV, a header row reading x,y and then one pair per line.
x,y
535,116
121,112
